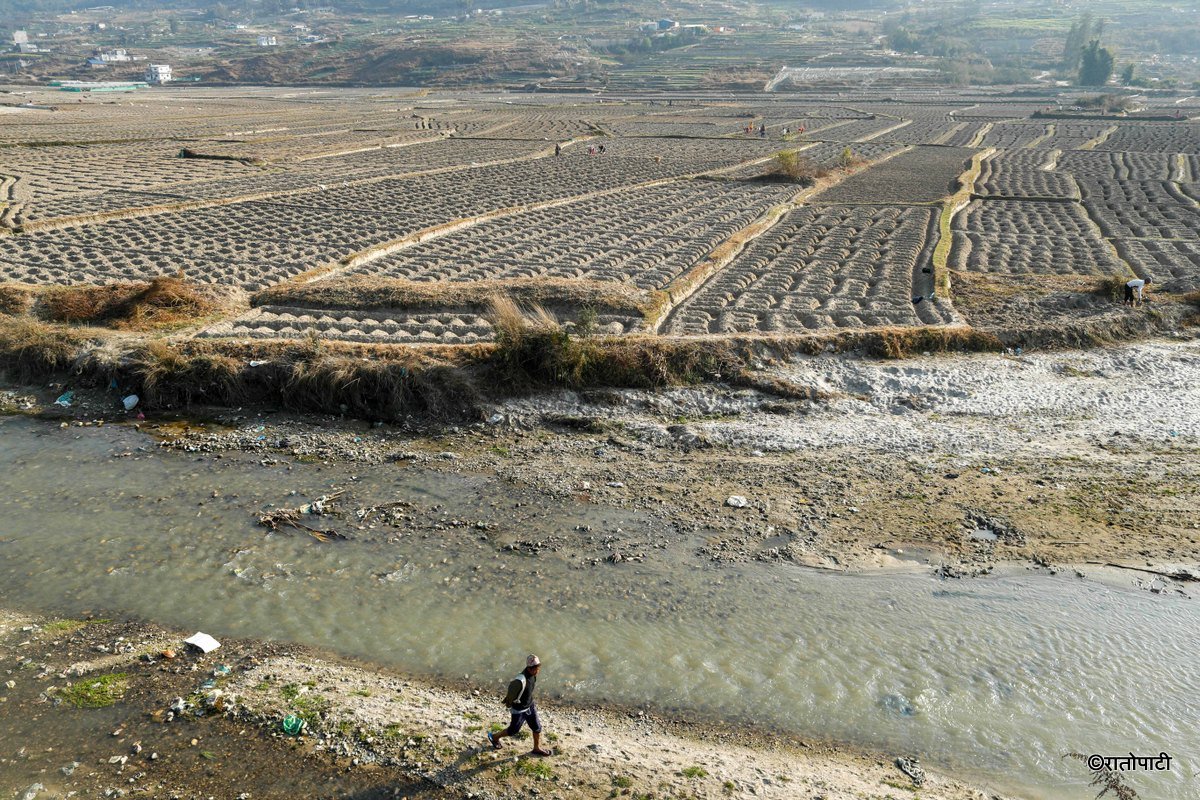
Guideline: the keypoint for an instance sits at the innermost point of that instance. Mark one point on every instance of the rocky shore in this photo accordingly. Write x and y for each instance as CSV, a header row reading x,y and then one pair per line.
x,y
956,462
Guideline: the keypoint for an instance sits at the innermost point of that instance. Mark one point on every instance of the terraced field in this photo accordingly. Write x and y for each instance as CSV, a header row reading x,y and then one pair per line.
x,y
1141,209
1030,237
648,237
1023,174
1172,264
923,131
372,327
1097,165
1068,135
1013,135
820,267
283,193
1154,137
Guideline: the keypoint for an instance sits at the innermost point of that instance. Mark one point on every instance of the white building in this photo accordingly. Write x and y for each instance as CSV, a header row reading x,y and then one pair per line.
x,y
113,56
267,41
20,37
158,73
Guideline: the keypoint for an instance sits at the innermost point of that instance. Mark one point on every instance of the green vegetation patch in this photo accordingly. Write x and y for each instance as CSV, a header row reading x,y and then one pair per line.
x,y
531,768
99,692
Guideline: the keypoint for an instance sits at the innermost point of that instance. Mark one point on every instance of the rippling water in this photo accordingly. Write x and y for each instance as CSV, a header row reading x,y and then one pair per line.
x,y
996,678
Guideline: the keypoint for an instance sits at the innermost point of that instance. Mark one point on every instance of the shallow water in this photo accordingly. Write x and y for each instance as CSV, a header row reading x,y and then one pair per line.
x,y
995,677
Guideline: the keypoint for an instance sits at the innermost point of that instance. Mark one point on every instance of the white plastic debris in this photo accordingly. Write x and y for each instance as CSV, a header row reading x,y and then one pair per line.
x,y
130,402
203,642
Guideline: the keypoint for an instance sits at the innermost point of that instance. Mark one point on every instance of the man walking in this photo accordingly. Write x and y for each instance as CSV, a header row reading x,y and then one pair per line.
x,y
519,700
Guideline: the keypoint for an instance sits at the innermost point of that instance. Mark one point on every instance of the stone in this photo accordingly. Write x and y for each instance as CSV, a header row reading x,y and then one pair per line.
x,y
736,501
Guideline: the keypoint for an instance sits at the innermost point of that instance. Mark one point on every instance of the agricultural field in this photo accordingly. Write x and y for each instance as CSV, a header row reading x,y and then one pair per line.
x,y
1013,135
1172,264
1141,209
820,267
1024,174
1154,137
1027,237
647,237
932,130
919,175
1069,135
967,134
1016,254
1099,165
386,217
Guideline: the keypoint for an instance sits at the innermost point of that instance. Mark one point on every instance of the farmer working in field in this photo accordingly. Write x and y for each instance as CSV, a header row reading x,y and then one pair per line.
x,y
519,700
1132,288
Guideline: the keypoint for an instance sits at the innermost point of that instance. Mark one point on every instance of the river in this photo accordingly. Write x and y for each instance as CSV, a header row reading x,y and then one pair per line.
x,y
992,678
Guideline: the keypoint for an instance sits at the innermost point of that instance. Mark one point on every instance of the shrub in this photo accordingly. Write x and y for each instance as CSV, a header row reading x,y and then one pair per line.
x,y
792,166
165,300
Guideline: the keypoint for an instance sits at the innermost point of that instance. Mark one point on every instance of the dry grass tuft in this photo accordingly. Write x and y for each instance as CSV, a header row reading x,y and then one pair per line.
x,y
904,342
1111,287
16,298
164,301
170,377
31,349
380,389
532,349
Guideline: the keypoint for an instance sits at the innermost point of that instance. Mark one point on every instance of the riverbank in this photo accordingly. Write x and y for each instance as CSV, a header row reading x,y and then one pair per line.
x,y
369,733
605,525
1079,458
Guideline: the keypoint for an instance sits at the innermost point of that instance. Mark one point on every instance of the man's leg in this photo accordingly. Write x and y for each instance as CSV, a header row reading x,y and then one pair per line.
x,y
535,725
513,727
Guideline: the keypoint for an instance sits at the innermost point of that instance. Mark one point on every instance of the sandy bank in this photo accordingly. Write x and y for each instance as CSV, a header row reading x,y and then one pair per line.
x,y
371,733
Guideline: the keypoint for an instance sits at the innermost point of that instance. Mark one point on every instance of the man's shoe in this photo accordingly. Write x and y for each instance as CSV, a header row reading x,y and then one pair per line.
x,y
492,741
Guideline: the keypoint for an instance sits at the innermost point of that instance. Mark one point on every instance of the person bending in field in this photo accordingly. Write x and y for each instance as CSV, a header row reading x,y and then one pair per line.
x,y
1133,291
519,700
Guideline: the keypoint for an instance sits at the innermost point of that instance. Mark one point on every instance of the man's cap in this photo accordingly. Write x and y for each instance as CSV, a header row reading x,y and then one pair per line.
x,y
532,661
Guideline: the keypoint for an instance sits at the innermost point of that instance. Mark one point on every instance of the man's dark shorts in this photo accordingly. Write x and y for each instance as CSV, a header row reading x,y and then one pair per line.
x,y
519,718
1128,294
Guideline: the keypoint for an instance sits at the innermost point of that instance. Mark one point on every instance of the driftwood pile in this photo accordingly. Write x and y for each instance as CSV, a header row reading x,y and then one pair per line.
x,y
279,518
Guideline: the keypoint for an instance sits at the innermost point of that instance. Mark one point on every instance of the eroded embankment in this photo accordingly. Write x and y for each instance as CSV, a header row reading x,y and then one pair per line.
x,y
134,337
